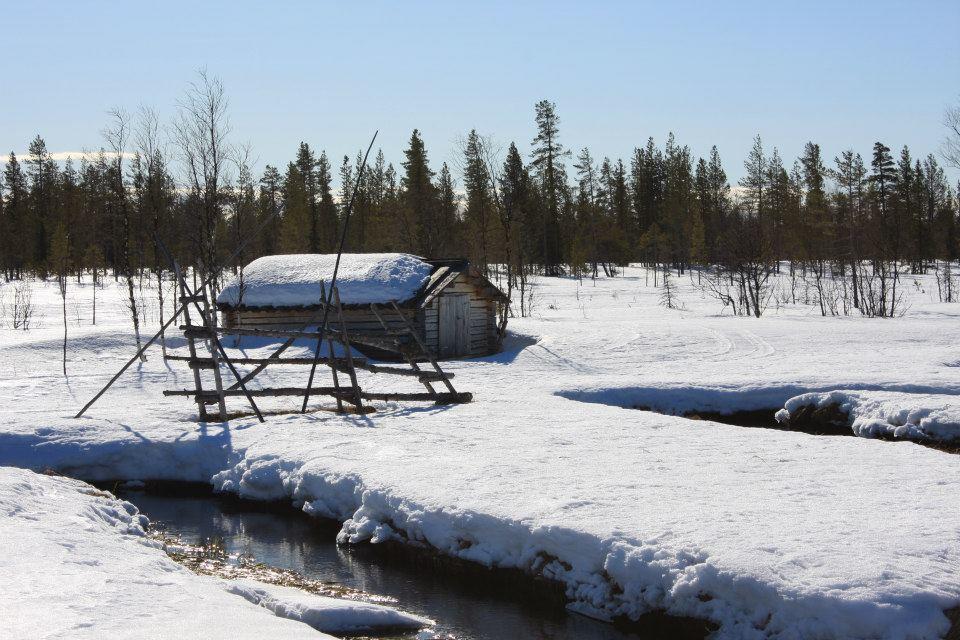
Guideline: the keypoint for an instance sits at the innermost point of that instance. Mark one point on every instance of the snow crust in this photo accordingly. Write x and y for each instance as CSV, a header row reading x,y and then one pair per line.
x,y
876,414
770,534
332,615
293,280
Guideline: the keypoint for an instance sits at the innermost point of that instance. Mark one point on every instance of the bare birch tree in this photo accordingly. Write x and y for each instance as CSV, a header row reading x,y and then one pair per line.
x,y
200,132
117,135
951,144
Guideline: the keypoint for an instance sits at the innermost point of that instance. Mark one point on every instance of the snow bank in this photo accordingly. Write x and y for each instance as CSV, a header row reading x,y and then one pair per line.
x,y
792,579
331,615
887,414
75,563
294,280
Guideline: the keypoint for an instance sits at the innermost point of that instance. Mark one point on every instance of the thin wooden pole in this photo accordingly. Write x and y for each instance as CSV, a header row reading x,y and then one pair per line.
x,y
336,266
191,347
212,344
346,346
333,367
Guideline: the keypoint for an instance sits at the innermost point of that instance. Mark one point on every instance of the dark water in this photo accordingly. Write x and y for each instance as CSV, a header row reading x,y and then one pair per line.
x,y
463,607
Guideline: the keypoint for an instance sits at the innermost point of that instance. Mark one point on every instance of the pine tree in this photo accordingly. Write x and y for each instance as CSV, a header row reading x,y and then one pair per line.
x,y
42,173
755,181
447,206
270,204
817,228
883,180
306,163
479,211
12,250
587,241
418,200
646,186
295,231
327,221
514,182
678,201
849,175
548,155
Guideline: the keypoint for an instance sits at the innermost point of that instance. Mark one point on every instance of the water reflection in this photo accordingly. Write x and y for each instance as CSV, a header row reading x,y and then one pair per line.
x,y
463,608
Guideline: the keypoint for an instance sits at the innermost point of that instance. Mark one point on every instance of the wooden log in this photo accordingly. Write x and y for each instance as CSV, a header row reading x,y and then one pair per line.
x,y
294,361
345,393
267,393
389,344
429,376
439,398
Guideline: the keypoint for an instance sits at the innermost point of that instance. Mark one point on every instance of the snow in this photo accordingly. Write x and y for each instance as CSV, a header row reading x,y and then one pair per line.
x,y
294,280
331,615
877,414
76,564
770,534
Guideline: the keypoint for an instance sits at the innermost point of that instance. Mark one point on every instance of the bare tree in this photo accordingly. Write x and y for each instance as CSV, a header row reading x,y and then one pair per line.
x,y
200,132
951,144
153,189
117,135
243,210
60,259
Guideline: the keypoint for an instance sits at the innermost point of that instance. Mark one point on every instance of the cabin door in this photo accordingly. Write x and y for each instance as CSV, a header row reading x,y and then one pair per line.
x,y
454,325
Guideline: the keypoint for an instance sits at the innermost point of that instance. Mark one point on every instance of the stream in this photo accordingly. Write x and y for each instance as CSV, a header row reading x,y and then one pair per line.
x,y
464,608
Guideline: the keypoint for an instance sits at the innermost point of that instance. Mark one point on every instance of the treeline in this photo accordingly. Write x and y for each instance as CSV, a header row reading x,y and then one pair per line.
x,y
552,213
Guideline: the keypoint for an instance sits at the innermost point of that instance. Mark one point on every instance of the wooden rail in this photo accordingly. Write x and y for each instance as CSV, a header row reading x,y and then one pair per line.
x,y
346,393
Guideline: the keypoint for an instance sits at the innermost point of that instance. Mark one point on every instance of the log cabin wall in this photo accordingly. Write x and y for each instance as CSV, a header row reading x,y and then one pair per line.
x,y
481,325
481,322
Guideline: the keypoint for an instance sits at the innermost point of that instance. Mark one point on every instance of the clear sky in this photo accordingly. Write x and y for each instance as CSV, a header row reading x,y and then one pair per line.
x,y
841,73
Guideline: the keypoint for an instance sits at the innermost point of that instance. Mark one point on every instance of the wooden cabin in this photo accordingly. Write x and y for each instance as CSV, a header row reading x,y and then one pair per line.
x,y
452,306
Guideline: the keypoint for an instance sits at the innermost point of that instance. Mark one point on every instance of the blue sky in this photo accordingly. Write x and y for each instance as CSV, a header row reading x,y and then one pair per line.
x,y
843,74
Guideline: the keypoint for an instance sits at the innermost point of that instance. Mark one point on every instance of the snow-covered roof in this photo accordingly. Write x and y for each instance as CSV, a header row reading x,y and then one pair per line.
x,y
293,280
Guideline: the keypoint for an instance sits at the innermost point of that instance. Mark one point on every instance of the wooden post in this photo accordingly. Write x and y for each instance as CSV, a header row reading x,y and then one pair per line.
x,y
333,366
210,320
351,371
181,284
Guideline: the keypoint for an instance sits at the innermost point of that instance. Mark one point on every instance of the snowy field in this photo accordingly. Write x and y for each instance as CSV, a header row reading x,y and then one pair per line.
x,y
770,534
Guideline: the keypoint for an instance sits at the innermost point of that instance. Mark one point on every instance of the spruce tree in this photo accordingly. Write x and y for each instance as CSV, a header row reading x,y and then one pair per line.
x,y
295,230
755,181
478,213
548,156
418,200
270,203
12,247
306,163
327,222
447,206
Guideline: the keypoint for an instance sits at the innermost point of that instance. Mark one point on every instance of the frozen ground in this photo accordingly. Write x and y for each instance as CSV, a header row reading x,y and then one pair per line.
x,y
767,533
76,564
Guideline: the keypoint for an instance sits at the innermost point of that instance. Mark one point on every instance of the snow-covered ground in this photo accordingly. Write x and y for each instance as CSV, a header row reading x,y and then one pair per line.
x,y
768,533
76,563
